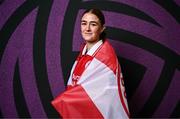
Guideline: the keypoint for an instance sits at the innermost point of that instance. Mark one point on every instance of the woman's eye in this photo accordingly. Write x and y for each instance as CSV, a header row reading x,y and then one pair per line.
x,y
93,24
83,23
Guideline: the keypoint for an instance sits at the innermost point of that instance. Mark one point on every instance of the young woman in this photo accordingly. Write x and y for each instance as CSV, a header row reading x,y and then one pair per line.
x,y
95,87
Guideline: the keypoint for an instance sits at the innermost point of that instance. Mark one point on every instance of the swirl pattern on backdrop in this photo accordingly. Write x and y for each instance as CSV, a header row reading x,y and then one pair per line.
x,y
40,40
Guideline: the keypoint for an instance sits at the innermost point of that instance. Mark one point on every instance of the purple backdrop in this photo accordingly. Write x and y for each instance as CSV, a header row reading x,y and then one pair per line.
x,y
17,51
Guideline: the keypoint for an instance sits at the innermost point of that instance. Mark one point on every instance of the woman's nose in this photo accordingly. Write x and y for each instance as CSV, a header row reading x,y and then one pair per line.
x,y
88,27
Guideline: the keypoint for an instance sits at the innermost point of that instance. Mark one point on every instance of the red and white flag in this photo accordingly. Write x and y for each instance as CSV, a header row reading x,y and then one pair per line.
x,y
95,87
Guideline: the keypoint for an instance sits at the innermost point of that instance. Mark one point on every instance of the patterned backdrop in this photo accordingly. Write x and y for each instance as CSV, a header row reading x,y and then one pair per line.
x,y
39,40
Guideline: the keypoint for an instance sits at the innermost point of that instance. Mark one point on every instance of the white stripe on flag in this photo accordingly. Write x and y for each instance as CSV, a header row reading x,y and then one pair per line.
x,y
102,88
70,77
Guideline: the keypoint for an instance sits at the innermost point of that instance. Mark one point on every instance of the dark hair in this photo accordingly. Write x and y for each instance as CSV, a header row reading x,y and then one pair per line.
x,y
101,18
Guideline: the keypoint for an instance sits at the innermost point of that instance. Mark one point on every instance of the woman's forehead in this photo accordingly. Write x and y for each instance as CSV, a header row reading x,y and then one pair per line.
x,y
89,17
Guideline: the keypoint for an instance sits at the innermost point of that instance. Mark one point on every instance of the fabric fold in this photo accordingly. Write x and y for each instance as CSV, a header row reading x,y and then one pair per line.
x,y
95,88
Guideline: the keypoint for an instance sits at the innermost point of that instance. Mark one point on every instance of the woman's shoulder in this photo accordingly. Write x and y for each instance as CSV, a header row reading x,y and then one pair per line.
x,y
106,50
106,55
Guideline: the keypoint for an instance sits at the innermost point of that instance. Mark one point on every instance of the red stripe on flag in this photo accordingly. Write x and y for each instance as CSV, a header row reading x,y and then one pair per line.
x,y
107,56
121,94
75,103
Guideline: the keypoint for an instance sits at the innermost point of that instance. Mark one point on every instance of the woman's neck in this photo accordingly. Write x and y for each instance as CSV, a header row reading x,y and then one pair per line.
x,y
90,44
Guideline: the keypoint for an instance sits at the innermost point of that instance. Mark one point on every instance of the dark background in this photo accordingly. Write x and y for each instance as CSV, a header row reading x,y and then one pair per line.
x,y
40,39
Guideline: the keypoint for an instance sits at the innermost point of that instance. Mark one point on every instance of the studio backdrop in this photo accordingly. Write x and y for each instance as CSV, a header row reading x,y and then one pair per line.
x,y
40,39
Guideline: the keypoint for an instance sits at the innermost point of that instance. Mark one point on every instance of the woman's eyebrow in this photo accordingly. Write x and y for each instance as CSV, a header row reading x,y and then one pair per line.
x,y
93,22
83,21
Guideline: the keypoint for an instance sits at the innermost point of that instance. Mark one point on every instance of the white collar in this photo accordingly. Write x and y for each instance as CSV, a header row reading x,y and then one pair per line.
x,y
93,48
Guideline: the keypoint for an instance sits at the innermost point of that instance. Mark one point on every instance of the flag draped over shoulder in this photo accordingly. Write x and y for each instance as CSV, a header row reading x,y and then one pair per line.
x,y
95,87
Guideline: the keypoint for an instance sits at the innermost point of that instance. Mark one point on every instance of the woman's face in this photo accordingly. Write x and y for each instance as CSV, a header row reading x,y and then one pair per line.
x,y
91,27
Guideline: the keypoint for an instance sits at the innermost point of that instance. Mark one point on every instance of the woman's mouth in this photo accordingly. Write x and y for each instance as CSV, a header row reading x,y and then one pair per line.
x,y
88,33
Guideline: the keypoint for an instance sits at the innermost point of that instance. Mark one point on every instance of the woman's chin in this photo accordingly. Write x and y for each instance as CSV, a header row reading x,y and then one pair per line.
x,y
88,40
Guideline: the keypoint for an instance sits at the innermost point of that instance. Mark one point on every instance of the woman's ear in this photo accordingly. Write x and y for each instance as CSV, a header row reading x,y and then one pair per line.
x,y
103,29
